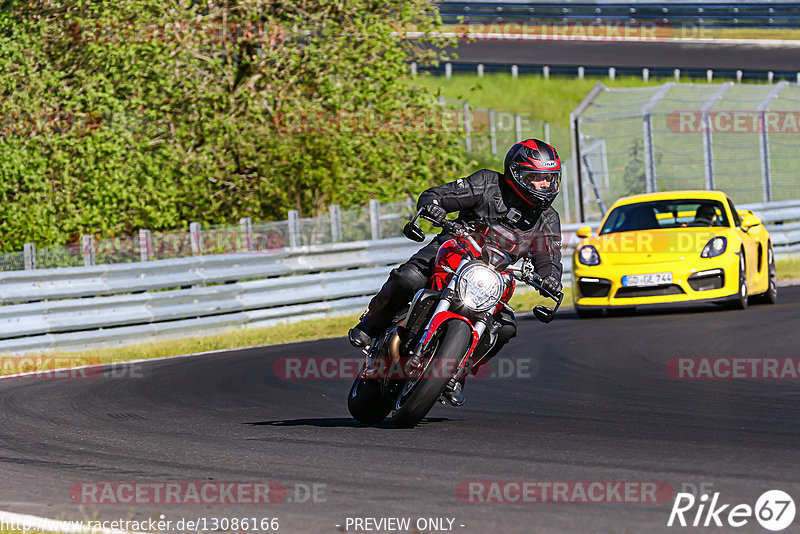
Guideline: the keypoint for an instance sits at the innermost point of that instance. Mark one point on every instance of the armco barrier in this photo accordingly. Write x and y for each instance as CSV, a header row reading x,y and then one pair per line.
x,y
107,305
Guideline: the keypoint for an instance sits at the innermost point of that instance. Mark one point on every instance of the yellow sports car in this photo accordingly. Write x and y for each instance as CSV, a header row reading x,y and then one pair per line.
x,y
677,246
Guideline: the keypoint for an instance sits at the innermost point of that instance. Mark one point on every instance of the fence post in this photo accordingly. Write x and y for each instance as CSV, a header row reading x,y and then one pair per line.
x,y
413,68
565,190
145,245
492,131
294,228
87,247
246,226
649,158
196,238
448,70
581,72
375,218
763,140
547,132
467,128
677,73
546,72
738,76
29,254
480,70
518,126
514,71
336,223
645,74
708,143
651,180
612,73
709,75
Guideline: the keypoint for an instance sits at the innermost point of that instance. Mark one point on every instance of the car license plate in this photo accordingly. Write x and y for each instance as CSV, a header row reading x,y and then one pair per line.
x,y
643,280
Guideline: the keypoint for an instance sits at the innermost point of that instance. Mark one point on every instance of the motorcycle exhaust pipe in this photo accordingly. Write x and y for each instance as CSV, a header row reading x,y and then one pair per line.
x,y
393,347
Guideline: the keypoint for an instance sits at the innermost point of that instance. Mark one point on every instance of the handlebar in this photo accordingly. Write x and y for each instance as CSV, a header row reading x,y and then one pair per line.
x,y
534,280
451,227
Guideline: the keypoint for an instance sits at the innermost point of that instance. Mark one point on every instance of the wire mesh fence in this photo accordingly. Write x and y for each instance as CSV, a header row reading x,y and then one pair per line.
x,y
741,139
12,261
489,133
375,221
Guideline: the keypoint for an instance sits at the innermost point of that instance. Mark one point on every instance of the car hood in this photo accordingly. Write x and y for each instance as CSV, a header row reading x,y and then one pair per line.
x,y
652,246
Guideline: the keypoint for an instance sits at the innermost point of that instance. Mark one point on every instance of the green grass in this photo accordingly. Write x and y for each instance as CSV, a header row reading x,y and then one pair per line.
x,y
787,268
241,337
549,100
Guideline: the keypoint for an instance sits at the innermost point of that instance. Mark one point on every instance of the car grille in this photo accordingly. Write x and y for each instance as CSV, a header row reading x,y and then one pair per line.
x,y
657,291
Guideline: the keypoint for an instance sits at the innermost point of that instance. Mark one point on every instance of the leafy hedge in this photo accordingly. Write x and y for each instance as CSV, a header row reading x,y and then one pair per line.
x,y
149,114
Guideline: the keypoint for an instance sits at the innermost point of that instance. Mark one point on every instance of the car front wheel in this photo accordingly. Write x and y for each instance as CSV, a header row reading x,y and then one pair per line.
x,y
741,301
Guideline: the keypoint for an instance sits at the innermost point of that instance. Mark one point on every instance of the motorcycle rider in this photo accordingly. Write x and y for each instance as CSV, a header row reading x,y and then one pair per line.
x,y
529,183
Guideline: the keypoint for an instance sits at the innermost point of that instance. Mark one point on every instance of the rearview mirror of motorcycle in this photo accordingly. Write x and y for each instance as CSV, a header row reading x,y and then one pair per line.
x,y
544,314
413,232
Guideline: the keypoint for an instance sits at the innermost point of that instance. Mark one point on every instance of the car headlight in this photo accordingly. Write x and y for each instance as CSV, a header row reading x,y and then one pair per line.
x,y
479,287
588,255
715,247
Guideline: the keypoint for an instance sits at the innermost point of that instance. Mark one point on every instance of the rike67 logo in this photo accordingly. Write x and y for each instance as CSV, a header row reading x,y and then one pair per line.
x,y
774,510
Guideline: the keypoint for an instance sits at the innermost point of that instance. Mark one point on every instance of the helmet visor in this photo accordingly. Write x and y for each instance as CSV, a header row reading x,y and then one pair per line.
x,y
536,180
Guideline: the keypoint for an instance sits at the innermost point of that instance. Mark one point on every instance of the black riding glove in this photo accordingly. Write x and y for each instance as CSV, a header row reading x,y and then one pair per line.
x,y
551,284
434,212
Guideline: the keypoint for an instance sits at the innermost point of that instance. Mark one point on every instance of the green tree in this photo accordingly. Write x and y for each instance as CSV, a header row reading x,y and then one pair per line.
x,y
139,113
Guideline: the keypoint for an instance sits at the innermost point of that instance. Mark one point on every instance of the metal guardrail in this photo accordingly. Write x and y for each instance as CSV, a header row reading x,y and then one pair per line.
x,y
108,305
74,282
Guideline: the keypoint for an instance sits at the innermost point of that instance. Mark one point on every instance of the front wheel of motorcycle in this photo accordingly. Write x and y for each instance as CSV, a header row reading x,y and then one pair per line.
x,y
366,401
419,395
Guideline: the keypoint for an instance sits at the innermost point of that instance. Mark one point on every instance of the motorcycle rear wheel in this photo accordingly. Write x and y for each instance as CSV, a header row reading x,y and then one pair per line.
x,y
366,401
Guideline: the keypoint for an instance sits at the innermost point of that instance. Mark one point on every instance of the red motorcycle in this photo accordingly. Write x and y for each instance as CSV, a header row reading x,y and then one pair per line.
x,y
449,327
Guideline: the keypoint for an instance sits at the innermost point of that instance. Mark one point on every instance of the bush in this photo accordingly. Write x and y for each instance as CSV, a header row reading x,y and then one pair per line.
x,y
147,114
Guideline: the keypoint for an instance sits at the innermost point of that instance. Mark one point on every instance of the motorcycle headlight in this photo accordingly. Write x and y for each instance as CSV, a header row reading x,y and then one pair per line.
x,y
588,255
715,247
479,287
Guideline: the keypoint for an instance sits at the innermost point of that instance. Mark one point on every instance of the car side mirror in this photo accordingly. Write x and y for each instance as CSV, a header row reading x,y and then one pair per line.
x,y
544,314
584,232
749,220
413,232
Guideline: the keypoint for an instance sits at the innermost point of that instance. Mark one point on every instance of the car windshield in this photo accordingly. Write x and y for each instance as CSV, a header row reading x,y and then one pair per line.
x,y
665,214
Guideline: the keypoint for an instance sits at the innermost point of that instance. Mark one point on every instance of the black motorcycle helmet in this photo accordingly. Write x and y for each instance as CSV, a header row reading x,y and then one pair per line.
x,y
532,173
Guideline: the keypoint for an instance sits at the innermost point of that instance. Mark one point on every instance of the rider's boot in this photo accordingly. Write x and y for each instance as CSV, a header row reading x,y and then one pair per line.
x,y
454,392
361,335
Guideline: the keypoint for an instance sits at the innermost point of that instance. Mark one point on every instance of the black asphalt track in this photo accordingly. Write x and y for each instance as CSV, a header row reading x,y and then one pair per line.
x,y
587,400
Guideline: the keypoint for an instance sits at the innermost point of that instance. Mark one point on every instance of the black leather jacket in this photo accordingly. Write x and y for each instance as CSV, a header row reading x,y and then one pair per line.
x,y
482,195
